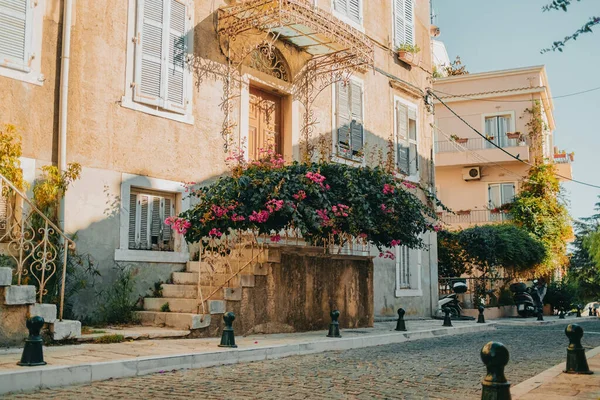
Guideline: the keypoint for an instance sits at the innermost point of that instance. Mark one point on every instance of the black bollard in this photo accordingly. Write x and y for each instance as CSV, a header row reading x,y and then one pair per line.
x,y
228,337
481,318
334,327
579,308
495,386
447,321
561,314
33,354
401,325
576,361
540,314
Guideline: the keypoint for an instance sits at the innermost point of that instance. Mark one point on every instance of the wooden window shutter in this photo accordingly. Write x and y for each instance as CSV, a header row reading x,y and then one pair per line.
x,y
168,211
144,225
15,33
343,116
177,50
356,109
399,27
354,10
150,62
156,221
402,138
341,6
409,24
412,139
133,237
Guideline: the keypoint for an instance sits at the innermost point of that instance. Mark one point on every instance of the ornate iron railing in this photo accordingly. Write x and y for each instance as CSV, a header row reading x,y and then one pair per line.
x,y
34,242
474,216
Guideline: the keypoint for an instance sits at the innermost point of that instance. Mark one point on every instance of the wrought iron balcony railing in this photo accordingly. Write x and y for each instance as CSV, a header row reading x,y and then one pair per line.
x,y
37,246
479,143
474,217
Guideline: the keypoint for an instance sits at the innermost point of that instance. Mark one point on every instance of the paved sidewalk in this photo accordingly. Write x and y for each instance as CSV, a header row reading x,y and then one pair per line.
x,y
548,320
77,364
553,384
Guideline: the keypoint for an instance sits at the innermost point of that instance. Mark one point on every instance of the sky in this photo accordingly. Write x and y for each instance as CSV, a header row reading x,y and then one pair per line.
x,y
488,36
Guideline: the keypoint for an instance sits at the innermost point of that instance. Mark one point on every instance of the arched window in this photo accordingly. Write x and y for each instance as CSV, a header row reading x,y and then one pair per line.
x,y
268,59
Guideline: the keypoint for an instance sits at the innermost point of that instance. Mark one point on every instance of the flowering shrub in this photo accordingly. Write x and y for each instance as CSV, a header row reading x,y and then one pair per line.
x,y
327,203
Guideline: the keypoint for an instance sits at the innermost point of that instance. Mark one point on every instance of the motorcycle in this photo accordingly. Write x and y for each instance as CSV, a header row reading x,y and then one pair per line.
x,y
528,299
451,300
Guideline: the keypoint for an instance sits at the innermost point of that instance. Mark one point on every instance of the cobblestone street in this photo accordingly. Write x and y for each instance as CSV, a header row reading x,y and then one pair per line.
x,y
447,367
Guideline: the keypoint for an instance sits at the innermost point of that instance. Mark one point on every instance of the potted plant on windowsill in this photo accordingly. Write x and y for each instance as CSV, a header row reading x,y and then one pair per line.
x,y
407,53
572,156
463,212
514,135
490,138
459,139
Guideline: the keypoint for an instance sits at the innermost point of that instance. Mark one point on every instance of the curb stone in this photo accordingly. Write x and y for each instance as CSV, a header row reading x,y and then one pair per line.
x,y
36,378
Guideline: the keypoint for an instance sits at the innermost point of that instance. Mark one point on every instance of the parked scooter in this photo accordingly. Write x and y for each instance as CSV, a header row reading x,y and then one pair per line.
x,y
451,300
528,299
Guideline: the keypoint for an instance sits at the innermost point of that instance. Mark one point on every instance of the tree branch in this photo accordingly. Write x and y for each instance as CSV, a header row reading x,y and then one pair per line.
x,y
587,28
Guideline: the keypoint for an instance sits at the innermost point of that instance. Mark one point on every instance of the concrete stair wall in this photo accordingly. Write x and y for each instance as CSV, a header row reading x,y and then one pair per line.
x,y
18,302
185,310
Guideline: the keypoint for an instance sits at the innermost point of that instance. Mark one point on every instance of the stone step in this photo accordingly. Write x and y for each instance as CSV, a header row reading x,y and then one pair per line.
x,y
185,278
247,280
173,319
177,305
180,291
18,295
217,306
196,266
46,311
207,290
65,329
219,280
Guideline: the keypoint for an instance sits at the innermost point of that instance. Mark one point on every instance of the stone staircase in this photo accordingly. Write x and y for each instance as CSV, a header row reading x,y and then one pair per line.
x,y
18,302
218,288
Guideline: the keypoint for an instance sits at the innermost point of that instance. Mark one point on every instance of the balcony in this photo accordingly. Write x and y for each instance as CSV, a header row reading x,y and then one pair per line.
x,y
563,164
466,218
478,151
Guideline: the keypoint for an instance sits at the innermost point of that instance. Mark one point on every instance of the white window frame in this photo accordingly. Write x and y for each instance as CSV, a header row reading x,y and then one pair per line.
x,y
180,255
31,72
499,184
510,113
334,151
415,260
417,176
395,40
127,100
347,19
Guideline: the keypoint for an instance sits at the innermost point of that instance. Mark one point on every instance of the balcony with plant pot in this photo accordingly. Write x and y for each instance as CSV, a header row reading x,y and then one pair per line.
x,y
563,163
467,150
409,54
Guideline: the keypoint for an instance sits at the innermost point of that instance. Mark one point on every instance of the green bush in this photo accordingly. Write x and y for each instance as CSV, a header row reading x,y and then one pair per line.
x,y
118,301
505,298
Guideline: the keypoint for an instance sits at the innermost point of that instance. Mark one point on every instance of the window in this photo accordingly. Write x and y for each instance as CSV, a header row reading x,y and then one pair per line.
x,y
407,156
147,213
21,24
404,25
500,194
352,9
496,128
408,271
403,265
15,33
157,55
349,120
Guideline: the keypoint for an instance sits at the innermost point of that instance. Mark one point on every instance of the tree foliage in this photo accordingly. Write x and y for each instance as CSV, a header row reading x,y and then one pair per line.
x,y
10,151
488,248
585,28
325,202
538,209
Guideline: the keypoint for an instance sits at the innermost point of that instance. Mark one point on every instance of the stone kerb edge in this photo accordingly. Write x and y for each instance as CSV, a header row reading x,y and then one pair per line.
x,y
65,375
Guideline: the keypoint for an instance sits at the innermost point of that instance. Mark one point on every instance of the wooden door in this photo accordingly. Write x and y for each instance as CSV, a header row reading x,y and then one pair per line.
x,y
265,123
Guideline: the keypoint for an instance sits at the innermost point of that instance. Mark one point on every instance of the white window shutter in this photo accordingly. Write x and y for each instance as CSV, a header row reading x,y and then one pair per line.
x,y
156,221
168,212
409,23
177,49
15,33
356,109
402,138
150,57
145,215
343,115
354,10
133,236
341,6
399,28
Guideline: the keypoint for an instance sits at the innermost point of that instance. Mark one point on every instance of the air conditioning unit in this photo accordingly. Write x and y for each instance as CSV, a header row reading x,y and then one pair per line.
x,y
471,173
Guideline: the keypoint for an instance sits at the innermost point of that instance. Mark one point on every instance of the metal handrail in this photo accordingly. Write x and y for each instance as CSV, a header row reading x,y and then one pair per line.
x,y
48,228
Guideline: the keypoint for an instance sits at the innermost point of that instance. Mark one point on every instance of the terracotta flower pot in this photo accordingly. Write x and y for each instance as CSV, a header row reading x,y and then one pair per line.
x,y
407,57
462,140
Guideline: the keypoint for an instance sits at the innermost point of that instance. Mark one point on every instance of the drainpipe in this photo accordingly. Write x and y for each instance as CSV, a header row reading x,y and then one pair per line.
x,y
63,99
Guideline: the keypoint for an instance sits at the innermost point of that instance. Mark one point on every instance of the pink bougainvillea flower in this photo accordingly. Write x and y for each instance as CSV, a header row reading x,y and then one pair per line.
x,y
395,242
301,195
409,185
179,225
388,189
387,254
260,217
236,218
215,233
274,205
276,238
219,211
